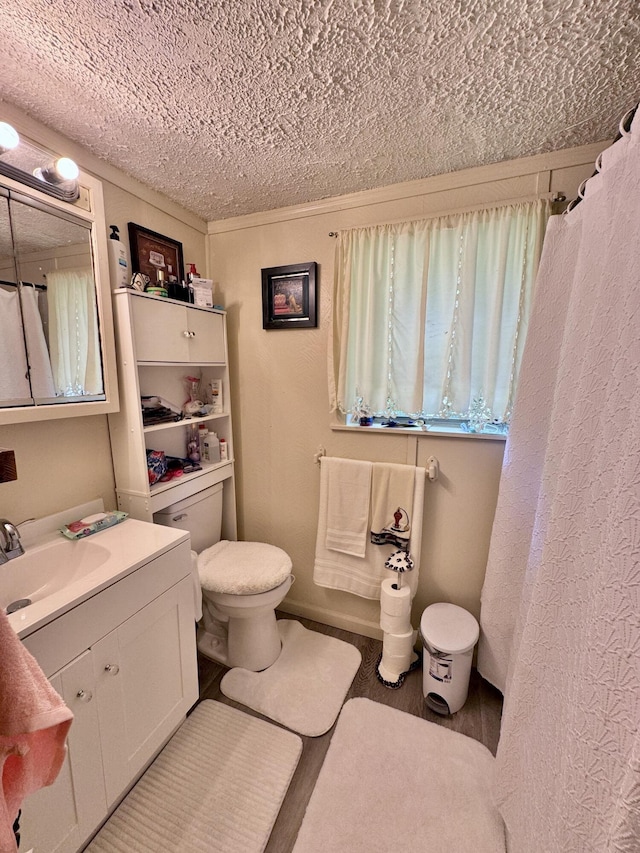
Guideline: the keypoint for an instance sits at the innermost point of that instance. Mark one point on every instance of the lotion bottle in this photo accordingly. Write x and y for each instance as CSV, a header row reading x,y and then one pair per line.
x,y
118,265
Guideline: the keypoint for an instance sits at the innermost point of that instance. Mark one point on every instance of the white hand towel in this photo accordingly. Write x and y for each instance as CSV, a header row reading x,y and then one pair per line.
x,y
392,491
349,485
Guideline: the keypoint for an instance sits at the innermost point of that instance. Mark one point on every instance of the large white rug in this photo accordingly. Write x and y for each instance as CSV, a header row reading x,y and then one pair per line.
x,y
305,688
391,781
216,787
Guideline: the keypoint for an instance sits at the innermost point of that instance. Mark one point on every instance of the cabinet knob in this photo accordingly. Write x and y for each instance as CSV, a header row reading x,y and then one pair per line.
x,y
112,668
188,334
84,695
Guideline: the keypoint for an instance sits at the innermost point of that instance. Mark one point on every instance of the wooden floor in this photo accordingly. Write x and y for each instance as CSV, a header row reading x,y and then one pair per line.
x,y
479,718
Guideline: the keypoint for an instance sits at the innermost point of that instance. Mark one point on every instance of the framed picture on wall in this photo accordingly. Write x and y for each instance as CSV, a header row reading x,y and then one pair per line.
x,y
289,296
152,252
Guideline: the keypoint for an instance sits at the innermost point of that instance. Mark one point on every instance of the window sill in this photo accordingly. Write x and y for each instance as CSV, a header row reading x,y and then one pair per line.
x,y
431,430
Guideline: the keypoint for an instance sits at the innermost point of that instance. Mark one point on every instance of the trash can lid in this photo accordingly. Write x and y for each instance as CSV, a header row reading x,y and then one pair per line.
x,y
449,628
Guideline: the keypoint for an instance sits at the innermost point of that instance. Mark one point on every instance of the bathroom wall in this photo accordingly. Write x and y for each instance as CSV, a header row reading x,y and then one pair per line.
x,y
280,398
279,395
65,462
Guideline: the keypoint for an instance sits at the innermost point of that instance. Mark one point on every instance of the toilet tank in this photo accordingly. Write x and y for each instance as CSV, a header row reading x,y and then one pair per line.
x,y
200,514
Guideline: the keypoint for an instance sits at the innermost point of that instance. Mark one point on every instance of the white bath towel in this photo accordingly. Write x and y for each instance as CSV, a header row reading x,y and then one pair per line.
x,y
363,576
349,492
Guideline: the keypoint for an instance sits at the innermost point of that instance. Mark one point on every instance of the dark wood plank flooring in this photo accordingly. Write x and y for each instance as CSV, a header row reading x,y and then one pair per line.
x,y
479,718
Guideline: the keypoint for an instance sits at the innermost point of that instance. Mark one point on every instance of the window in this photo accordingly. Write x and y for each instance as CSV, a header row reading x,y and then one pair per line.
x,y
430,316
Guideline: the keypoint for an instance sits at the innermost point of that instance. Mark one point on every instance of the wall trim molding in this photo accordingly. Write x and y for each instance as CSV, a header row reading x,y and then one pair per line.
x,y
331,617
88,162
539,163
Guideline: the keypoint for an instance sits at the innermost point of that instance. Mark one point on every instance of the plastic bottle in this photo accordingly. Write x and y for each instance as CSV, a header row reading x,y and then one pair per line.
x,y
193,447
224,451
118,265
212,448
202,434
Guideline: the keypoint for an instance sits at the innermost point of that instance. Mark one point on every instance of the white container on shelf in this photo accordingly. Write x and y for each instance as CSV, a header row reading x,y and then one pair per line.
x,y
211,444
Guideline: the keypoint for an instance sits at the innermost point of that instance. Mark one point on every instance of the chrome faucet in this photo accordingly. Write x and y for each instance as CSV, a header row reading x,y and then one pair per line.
x,y
10,545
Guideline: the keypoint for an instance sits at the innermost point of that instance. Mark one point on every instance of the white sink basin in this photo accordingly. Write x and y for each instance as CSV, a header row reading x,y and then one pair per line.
x,y
48,568
55,574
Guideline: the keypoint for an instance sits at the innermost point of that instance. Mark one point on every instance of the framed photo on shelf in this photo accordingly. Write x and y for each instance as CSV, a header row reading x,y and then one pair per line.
x,y
289,296
152,252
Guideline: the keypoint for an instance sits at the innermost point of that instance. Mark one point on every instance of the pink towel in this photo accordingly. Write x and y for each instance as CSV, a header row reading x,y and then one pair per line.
x,y
34,722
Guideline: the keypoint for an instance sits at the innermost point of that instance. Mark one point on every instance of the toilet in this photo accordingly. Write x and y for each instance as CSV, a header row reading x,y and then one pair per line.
x,y
242,584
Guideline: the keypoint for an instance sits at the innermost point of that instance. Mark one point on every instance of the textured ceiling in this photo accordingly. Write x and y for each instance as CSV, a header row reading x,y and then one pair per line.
x,y
236,106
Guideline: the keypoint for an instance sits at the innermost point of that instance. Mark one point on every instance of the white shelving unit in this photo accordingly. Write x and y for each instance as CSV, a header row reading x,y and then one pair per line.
x,y
159,343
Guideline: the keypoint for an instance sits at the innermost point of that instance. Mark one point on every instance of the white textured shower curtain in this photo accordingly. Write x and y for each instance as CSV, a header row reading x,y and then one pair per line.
x,y
561,601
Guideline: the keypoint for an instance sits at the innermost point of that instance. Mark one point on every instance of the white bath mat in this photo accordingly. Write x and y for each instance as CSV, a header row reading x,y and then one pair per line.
x,y
305,688
392,781
216,787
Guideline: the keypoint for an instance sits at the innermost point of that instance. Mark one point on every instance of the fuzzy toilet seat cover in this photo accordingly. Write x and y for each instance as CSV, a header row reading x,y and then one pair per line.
x,y
243,568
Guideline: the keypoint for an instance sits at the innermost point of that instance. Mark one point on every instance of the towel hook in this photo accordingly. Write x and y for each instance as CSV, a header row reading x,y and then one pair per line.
x,y
319,454
433,468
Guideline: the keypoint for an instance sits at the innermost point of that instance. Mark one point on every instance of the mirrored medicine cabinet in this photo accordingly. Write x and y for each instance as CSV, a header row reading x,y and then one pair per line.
x,y
57,355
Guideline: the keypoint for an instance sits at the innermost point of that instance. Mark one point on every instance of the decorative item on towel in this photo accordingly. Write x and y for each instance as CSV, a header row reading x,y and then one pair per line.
x,y
397,533
34,722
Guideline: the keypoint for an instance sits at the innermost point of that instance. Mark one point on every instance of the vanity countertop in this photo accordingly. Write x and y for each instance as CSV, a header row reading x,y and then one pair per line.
x,y
105,558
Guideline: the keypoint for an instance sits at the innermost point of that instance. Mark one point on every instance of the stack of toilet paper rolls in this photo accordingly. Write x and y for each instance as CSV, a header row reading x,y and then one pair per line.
x,y
399,637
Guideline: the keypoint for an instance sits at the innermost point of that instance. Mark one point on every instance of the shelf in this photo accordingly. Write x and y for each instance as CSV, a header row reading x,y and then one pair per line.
x,y
158,488
199,363
184,422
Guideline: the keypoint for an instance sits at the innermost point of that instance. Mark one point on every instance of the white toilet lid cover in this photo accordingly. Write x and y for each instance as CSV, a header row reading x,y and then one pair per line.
x,y
242,568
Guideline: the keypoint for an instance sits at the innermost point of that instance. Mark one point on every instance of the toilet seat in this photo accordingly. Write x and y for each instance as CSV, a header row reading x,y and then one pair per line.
x,y
242,568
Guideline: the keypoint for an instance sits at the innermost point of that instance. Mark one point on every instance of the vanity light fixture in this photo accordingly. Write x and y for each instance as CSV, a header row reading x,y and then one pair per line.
x,y
23,162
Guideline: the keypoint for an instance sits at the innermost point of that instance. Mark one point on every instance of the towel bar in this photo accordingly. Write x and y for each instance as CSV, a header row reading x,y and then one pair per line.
x,y
432,467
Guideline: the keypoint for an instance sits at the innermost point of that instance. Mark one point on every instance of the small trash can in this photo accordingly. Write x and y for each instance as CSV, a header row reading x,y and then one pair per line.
x,y
449,634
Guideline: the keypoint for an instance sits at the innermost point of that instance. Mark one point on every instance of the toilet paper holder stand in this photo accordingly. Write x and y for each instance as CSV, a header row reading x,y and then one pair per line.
x,y
432,467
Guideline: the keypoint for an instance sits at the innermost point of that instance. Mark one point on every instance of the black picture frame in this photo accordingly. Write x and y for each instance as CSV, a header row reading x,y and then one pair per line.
x,y
151,252
289,296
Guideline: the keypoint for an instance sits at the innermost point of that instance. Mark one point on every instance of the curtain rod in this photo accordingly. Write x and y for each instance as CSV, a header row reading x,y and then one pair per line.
x,y
624,127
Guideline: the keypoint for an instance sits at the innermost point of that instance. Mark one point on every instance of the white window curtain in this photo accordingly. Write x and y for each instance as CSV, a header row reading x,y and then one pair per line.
x,y
74,341
430,316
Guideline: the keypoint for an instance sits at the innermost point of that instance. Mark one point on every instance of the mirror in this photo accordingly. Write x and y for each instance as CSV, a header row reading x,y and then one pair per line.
x,y
53,323
57,298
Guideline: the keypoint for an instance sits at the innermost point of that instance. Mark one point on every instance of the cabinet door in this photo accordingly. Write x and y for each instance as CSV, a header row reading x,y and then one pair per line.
x,y
160,330
147,679
57,819
206,340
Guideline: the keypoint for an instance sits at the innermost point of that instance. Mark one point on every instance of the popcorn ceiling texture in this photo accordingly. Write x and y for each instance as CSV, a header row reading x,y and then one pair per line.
x,y
236,106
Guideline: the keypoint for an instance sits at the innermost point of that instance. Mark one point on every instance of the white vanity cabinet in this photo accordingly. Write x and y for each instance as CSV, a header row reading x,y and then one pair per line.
x,y
125,663
159,343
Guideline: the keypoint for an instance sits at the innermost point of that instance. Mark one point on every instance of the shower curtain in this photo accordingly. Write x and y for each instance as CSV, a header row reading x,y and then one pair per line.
x,y
561,601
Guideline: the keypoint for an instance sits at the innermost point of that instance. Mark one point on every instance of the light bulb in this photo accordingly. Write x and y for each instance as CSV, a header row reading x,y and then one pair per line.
x,y
63,169
8,137
67,168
